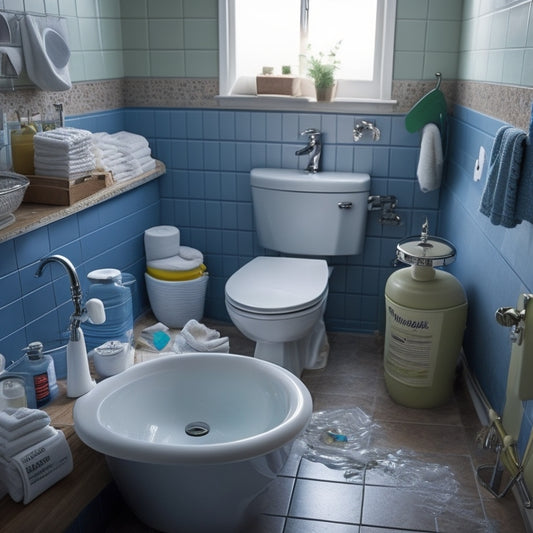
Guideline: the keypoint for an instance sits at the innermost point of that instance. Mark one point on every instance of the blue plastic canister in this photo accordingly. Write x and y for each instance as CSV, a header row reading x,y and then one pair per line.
x,y
107,285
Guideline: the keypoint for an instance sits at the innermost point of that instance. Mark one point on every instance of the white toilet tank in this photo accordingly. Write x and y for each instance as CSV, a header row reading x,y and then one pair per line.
x,y
297,212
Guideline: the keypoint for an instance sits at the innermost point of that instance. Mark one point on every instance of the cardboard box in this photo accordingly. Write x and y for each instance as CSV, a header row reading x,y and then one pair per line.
x,y
61,191
284,85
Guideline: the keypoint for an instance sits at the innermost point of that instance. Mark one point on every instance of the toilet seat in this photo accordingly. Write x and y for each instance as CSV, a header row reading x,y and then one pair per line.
x,y
277,285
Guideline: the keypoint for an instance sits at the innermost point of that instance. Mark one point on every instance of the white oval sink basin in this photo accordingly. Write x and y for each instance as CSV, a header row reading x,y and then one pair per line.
x,y
245,414
250,406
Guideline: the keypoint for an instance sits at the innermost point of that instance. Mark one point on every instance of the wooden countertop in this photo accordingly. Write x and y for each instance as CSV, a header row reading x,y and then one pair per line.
x,y
32,216
55,509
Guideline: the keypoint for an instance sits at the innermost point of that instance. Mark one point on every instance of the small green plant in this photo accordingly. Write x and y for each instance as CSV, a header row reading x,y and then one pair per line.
x,y
286,69
322,67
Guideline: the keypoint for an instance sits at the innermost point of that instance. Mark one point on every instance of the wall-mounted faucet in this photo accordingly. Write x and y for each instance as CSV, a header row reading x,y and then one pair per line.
x,y
360,128
313,148
79,380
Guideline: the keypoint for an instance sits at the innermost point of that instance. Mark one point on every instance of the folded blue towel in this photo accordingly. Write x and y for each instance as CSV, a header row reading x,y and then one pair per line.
x,y
524,205
501,190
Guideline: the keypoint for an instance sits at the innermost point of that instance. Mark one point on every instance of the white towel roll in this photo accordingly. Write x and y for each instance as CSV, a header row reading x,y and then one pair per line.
x,y
161,242
430,163
188,259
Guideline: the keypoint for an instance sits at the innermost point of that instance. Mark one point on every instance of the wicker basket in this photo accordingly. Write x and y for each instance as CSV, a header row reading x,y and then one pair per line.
x,y
12,189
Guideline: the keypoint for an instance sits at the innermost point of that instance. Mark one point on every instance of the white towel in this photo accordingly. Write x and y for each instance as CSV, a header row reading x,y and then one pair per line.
x,y
17,422
430,163
12,447
35,469
196,337
188,259
62,138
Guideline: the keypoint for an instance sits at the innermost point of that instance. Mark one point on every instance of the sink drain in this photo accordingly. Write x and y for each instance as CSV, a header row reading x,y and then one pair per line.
x,y
197,429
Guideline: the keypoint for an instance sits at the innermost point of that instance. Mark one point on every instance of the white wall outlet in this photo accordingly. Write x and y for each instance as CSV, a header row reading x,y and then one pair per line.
x,y
480,161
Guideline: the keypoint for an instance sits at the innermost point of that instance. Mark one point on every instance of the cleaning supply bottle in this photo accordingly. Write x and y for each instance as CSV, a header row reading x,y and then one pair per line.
x,y
107,284
39,374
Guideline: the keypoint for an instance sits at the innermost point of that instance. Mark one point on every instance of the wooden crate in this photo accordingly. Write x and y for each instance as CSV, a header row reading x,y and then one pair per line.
x,y
284,85
61,191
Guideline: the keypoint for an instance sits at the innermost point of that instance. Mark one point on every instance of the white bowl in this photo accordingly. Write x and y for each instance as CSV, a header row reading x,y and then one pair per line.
x,y
174,303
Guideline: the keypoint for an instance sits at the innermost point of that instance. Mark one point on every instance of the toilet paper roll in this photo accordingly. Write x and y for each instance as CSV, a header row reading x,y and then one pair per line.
x,y
161,242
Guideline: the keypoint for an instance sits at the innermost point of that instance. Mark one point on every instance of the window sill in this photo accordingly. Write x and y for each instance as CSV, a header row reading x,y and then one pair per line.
x,y
302,103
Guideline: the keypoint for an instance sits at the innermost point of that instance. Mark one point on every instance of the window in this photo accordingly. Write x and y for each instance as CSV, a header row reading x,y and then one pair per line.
x,y
255,33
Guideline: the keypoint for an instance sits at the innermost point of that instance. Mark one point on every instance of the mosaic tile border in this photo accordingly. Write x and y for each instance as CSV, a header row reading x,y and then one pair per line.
x,y
86,97
508,103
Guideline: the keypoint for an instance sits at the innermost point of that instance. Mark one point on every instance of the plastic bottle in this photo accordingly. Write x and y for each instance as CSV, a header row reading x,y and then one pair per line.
x,y
12,388
39,374
107,285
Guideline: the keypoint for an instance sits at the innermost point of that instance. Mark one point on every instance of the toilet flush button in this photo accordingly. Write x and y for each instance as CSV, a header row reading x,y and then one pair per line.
x,y
480,161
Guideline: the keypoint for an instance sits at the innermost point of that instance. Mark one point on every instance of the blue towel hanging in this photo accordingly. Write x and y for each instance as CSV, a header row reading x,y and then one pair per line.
x,y
524,206
499,200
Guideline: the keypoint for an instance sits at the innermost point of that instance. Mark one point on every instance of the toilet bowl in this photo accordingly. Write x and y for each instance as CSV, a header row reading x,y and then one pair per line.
x,y
279,303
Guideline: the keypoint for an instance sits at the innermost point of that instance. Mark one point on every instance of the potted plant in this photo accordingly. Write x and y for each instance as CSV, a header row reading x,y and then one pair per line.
x,y
321,69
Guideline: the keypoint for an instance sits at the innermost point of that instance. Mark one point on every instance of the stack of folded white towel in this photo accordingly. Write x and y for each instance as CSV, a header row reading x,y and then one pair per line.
x,y
63,153
196,337
33,455
125,154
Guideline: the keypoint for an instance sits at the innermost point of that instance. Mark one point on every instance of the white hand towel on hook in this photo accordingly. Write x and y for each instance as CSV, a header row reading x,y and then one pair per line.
x,y
430,163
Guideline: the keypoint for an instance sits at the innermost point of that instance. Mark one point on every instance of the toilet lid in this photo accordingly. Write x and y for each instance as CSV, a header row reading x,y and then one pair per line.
x,y
272,285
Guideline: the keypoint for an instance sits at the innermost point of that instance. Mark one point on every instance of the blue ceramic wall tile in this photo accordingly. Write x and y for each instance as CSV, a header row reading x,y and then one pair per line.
x,y
32,246
329,129
364,159
210,125
344,159
63,231
230,243
258,127
178,124
228,158
242,125
403,162
274,126
11,288
179,158
242,156
258,155
195,155
290,129
245,243
213,215
211,156
194,121
196,184
197,217
8,258
227,125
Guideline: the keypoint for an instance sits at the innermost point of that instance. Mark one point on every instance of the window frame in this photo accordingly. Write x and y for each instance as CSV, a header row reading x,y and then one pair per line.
x,y
385,28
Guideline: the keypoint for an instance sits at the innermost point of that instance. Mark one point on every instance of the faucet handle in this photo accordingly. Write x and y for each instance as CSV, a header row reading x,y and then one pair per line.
x,y
311,132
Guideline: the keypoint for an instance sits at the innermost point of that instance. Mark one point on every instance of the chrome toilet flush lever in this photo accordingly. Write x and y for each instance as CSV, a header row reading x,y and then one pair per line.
x,y
510,317
365,125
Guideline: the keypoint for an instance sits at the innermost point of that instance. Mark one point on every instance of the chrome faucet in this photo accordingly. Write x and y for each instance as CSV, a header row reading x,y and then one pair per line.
x,y
360,128
314,148
79,380
75,290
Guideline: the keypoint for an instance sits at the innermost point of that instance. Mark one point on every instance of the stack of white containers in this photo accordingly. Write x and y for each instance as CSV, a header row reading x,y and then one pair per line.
x,y
176,277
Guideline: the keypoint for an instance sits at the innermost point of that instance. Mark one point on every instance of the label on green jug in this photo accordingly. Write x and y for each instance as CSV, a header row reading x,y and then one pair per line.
x,y
412,344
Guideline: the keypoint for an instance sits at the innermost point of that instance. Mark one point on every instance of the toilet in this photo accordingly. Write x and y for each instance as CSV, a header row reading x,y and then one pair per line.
x,y
279,301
